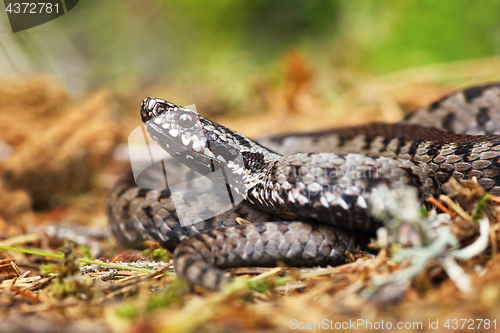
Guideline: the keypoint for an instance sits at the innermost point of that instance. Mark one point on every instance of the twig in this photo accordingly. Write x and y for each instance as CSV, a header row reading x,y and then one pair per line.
x,y
439,205
455,207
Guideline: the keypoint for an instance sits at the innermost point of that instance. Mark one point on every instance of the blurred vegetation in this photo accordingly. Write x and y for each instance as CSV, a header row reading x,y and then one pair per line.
x,y
222,50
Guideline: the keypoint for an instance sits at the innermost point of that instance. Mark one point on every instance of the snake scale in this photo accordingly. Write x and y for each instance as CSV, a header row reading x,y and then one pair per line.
x,y
308,193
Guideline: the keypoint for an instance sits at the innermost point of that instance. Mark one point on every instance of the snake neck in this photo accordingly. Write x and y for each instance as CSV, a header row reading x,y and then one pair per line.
x,y
248,166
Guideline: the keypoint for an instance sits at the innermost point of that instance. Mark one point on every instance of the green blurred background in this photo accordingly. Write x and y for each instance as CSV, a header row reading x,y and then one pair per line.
x,y
222,53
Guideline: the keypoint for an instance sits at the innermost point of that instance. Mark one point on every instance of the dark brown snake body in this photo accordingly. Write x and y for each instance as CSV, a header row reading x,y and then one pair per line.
x,y
323,180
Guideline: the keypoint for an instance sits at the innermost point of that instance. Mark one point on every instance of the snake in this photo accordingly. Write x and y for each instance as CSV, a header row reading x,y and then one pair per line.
x,y
304,198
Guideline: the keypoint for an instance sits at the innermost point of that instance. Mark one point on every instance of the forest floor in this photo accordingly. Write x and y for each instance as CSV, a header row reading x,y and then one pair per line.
x,y
59,155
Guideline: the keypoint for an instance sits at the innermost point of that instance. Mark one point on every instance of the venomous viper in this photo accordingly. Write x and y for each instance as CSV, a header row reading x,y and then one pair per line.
x,y
311,202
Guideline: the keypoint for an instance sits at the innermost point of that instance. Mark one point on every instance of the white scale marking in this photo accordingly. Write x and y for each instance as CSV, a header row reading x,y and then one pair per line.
x,y
174,132
207,152
151,104
198,146
186,139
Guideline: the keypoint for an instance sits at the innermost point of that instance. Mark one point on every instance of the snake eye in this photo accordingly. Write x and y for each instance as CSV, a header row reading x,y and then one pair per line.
x,y
186,120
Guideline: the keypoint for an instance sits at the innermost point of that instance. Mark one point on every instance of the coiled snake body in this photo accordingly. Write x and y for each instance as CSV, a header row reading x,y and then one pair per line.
x,y
317,193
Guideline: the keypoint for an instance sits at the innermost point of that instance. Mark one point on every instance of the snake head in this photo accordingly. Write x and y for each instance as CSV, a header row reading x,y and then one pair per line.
x,y
196,141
